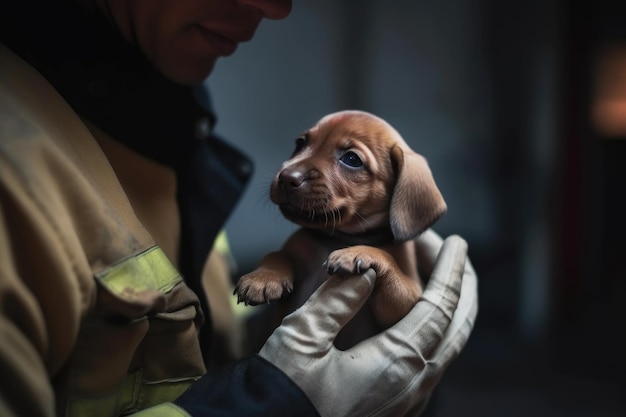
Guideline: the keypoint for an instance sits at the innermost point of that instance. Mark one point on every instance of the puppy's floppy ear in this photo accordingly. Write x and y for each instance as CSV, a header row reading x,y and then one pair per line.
x,y
416,202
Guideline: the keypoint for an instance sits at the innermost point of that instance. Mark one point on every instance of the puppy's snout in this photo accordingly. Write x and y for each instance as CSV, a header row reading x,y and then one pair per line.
x,y
291,178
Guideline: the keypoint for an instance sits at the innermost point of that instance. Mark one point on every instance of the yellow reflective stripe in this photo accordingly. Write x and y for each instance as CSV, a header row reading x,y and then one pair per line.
x,y
163,410
100,407
155,392
134,394
221,243
127,396
149,270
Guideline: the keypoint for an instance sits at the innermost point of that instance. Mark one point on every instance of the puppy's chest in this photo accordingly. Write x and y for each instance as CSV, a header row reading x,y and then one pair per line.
x,y
310,255
310,250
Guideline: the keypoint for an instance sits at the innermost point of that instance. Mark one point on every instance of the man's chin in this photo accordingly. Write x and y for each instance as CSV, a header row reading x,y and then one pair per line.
x,y
190,74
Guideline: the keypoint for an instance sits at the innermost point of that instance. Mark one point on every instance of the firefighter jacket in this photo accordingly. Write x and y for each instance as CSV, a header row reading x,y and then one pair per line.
x,y
112,191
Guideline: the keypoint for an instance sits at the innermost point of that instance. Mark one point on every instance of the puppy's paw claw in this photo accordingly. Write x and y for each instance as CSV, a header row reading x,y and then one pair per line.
x,y
332,269
358,266
254,289
346,262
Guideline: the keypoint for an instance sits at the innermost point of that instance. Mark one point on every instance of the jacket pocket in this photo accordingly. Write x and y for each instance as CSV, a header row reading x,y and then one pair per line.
x,y
139,344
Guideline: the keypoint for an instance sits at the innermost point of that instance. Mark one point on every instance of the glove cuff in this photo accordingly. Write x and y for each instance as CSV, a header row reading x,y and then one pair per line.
x,y
252,386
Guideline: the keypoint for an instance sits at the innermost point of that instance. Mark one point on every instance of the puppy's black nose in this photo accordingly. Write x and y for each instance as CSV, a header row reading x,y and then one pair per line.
x,y
291,178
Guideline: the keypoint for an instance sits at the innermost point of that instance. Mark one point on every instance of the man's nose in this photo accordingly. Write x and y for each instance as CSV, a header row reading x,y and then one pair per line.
x,y
271,9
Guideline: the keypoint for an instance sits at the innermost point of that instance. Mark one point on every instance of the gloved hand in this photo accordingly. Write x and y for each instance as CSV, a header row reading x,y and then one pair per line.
x,y
395,371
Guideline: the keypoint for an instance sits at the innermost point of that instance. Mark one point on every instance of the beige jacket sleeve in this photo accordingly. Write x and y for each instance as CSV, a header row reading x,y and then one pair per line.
x,y
84,309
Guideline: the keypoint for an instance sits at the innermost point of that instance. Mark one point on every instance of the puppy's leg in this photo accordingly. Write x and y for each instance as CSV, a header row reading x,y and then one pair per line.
x,y
395,292
268,282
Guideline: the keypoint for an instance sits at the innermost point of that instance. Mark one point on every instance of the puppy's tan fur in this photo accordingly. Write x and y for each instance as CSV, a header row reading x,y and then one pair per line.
x,y
353,216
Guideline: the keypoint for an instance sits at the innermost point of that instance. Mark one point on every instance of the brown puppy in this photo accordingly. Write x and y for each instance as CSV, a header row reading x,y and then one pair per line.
x,y
361,195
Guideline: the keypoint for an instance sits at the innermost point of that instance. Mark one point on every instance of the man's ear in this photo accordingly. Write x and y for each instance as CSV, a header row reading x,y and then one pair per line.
x,y
416,202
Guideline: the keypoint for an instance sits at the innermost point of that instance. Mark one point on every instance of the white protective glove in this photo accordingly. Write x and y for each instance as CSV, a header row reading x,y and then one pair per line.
x,y
394,372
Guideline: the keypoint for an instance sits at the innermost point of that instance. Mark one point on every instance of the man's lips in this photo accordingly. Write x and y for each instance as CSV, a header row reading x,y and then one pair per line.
x,y
219,43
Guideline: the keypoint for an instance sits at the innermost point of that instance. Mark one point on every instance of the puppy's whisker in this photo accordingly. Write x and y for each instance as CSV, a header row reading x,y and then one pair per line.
x,y
324,210
263,193
262,200
330,215
362,221
279,217
336,218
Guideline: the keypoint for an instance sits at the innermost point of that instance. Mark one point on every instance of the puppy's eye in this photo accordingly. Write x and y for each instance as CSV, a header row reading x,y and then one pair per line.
x,y
351,159
300,143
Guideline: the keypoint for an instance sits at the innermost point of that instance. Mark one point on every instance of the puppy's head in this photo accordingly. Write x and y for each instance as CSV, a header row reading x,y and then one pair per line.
x,y
352,172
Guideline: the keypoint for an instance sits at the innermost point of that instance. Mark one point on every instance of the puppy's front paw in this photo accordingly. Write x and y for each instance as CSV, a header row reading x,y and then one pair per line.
x,y
348,261
260,287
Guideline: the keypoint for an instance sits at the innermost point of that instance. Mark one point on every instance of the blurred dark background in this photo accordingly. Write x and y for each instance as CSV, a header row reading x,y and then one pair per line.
x,y
520,108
